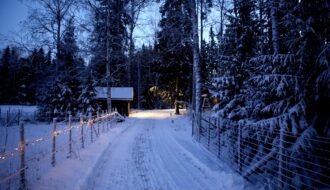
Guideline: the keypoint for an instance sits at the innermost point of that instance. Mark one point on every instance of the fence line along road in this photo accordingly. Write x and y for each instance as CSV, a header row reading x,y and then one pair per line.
x,y
270,157
18,178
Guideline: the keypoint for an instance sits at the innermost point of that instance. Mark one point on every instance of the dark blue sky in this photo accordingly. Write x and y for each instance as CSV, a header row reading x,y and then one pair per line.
x,y
12,12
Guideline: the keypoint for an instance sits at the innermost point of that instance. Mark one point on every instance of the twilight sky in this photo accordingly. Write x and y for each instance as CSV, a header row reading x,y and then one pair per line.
x,y
12,12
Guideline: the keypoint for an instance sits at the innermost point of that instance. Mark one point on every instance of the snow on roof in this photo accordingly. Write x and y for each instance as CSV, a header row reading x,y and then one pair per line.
x,y
117,93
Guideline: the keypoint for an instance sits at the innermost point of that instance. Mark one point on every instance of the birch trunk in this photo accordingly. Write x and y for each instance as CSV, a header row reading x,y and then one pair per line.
x,y
131,42
196,61
222,5
139,83
274,19
108,60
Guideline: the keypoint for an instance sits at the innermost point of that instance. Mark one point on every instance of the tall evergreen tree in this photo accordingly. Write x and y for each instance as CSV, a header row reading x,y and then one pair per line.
x,y
4,75
174,47
118,20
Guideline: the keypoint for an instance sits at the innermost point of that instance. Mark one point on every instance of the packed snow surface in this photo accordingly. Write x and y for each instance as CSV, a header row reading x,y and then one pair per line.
x,y
152,150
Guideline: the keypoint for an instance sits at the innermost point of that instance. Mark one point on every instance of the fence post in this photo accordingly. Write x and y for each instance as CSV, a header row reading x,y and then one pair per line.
x,y
22,153
209,134
193,124
90,123
219,135
82,130
239,159
54,142
108,121
18,116
199,125
98,122
280,159
7,119
103,119
70,136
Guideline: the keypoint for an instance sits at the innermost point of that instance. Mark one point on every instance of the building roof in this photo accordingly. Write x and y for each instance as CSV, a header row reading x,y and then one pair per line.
x,y
117,93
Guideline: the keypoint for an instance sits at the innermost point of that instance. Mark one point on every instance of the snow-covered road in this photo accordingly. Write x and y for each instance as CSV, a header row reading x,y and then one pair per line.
x,y
156,152
151,150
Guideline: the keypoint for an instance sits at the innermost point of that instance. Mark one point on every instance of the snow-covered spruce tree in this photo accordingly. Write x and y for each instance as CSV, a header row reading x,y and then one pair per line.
x,y
88,93
68,79
209,69
174,47
71,67
280,95
235,50
4,75
118,20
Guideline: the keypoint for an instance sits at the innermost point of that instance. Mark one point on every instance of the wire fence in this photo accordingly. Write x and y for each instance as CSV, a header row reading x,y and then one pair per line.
x,y
271,158
28,159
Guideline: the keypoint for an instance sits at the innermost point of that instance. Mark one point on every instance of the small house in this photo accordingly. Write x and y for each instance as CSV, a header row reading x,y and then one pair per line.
x,y
121,98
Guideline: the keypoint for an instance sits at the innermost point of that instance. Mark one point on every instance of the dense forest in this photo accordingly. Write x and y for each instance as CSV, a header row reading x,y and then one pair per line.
x,y
265,62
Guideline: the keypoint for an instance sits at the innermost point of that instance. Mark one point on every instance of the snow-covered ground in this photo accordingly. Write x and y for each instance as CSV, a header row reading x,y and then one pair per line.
x,y
150,150
27,112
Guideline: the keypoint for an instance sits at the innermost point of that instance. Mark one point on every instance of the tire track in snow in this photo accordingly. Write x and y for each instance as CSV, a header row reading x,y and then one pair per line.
x,y
148,156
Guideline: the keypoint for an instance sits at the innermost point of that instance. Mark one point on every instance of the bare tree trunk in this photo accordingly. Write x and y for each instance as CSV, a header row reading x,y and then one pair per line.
x,y
275,35
131,42
196,58
108,60
201,22
58,43
261,30
177,111
139,84
222,5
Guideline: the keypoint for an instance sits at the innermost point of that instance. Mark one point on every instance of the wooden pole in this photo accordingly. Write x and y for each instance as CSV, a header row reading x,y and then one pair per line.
x,y
239,148
90,123
219,136
209,134
106,120
22,153
103,120
70,136
18,117
54,142
193,124
199,124
98,123
82,130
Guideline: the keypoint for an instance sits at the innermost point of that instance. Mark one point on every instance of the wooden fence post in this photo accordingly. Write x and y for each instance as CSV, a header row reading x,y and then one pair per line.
x,y
193,124
219,136
239,148
70,136
90,123
106,120
98,122
54,142
82,130
18,116
103,119
109,121
22,153
209,134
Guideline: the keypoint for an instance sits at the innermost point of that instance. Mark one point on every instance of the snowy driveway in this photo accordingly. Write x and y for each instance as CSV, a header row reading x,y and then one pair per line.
x,y
156,152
